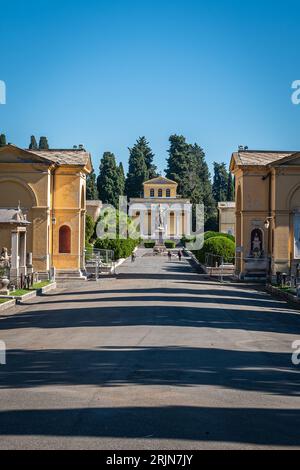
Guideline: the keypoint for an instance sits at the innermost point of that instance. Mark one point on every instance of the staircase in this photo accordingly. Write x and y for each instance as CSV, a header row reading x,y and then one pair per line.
x,y
63,275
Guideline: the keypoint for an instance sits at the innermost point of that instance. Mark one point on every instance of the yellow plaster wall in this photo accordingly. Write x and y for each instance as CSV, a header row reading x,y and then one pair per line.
x,y
156,187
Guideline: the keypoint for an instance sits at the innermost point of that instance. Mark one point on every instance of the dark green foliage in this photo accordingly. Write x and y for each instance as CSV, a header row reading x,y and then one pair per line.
x,y
145,149
230,188
33,143
187,166
89,228
220,183
122,248
91,187
137,172
109,180
2,140
149,244
170,244
212,234
43,143
221,247
121,180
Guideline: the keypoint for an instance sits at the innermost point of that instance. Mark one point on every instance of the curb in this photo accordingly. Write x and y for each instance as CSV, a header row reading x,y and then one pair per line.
x,y
7,304
274,291
45,289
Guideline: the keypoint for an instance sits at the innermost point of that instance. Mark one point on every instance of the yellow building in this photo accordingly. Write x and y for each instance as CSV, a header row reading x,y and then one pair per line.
x,y
162,212
267,212
48,186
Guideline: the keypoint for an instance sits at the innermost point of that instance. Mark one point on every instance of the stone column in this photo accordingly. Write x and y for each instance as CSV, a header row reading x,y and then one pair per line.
x,y
22,249
14,270
178,216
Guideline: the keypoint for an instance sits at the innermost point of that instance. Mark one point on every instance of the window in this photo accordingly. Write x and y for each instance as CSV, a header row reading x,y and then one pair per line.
x,y
151,192
168,193
160,193
64,239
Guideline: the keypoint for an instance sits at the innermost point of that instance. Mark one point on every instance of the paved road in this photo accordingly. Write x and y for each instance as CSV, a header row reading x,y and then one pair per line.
x,y
157,359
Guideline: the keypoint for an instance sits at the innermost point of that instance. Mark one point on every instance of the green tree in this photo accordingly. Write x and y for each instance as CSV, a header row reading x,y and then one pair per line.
x,y
187,166
122,179
220,183
33,143
108,181
230,188
91,187
2,140
145,149
89,227
137,172
43,144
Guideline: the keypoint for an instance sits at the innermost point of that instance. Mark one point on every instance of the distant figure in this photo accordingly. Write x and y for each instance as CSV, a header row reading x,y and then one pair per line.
x,y
133,257
169,255
179,255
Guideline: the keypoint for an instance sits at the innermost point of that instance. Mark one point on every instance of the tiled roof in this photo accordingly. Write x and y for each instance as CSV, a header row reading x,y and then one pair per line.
x,y
13,216
259,157
160,180
64,156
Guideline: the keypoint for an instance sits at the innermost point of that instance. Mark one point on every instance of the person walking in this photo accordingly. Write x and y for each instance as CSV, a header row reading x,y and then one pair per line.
x,y
179,255
133,257
169,255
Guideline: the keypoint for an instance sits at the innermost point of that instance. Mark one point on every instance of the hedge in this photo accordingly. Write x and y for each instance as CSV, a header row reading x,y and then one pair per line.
x,y
221,247
121,248
211,234
149,244
170,244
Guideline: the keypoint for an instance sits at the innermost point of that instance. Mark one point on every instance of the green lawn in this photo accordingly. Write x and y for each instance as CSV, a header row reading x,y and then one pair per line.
x,y
3,300
37,285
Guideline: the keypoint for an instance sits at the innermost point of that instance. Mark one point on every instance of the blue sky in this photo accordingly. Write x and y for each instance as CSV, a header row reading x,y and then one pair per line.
x,y
103,72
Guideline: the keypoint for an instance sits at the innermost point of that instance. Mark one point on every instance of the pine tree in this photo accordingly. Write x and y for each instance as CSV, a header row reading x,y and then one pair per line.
x,y
43,144
230,188
2,140
138,172
220,183
91,187
108,181
33,143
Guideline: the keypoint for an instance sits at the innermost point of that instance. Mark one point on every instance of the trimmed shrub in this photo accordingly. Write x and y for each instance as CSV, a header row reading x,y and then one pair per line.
x,y
149,244
211,234
121,248
186,240
221,247
170,244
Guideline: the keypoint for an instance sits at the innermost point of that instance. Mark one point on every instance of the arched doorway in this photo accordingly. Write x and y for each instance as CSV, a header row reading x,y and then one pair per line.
x,y
65,239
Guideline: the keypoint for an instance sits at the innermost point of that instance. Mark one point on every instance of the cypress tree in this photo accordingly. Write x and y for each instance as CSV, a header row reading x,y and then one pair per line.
x,y
220,183
145,149
91,187
230,188
108,181
137,172
121,185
